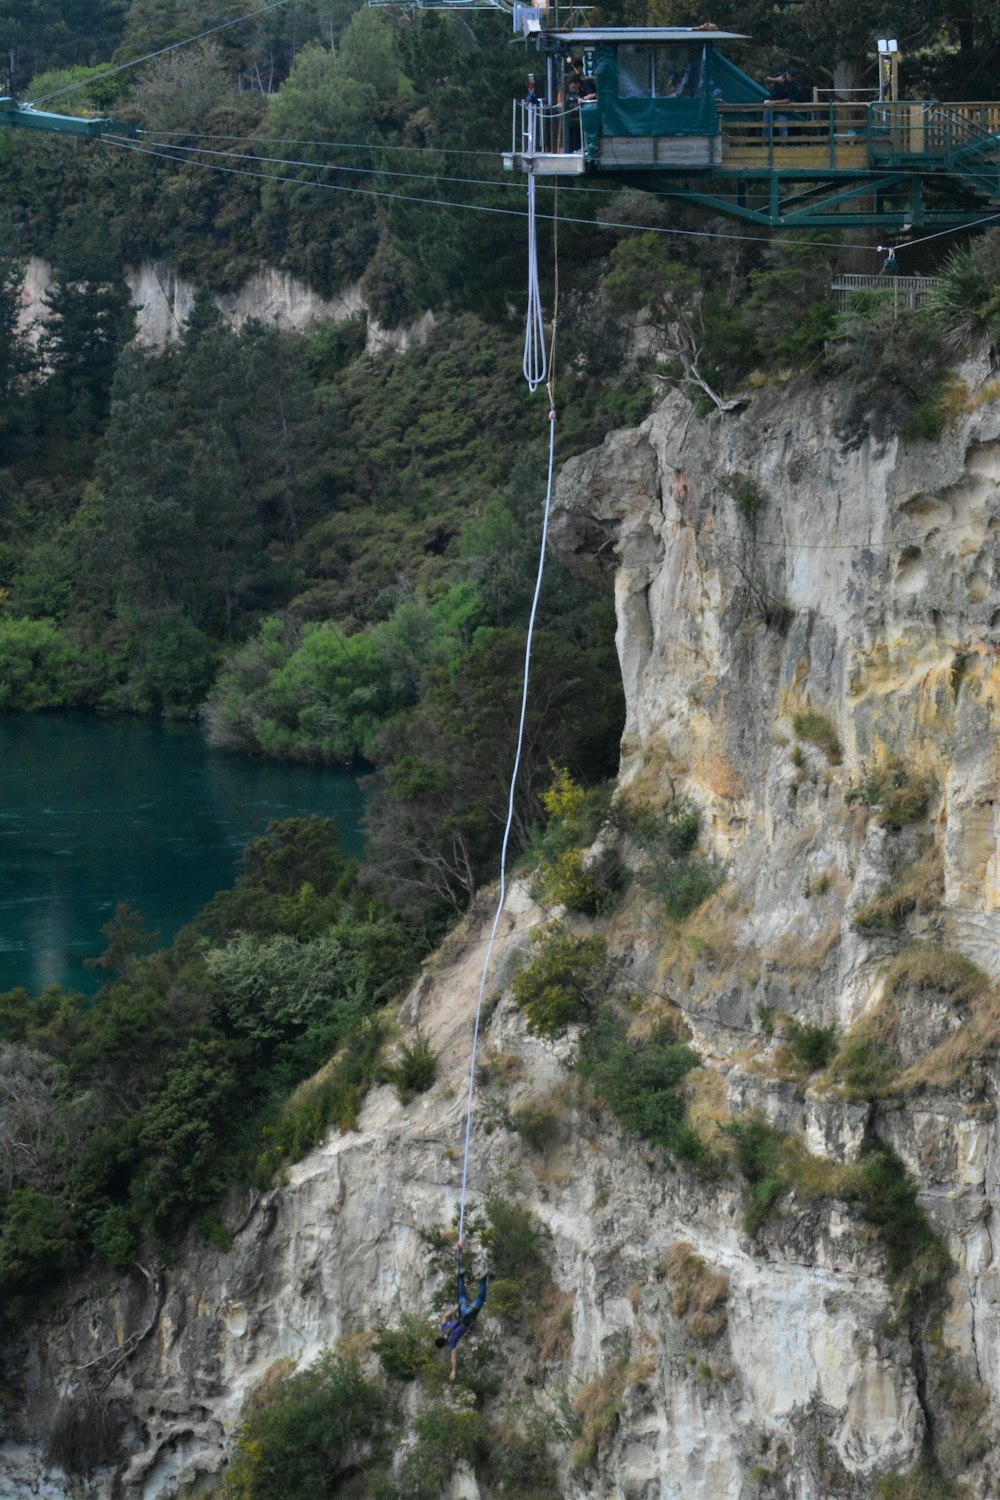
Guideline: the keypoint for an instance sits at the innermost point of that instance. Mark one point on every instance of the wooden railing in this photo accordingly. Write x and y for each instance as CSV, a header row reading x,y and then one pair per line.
x,y
807,135
908,291
843,134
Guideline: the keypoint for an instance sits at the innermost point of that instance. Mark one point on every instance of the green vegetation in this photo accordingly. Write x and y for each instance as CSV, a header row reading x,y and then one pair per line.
x,y
818,730
574,816
559,987
677,874
416,1069
641,1080
759,1152
915,887
406,1351
898,794
174,1083
304,1434
877,1187
812,1045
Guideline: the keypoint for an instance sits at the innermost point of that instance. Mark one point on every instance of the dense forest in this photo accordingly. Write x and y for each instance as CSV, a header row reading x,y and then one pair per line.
x,y
326,553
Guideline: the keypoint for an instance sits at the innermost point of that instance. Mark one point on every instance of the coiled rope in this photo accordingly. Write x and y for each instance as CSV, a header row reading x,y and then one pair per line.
x,y
533,340
534,365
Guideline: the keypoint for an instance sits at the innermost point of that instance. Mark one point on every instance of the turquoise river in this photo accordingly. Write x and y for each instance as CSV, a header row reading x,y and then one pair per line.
x,y
95,811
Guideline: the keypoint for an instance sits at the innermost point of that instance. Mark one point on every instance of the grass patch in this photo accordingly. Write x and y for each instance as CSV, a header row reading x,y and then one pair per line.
x,y
898,795
976,1040
600,1404
917,887
926,968
416,1069
698,1294
925,1481
818,730
641,1080
868,1063
558,987
877,1186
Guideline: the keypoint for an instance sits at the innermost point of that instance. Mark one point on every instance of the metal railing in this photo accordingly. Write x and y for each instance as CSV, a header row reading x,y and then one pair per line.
x,y
541,129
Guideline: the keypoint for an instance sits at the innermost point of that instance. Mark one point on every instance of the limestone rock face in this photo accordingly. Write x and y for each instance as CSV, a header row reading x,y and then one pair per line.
x,y
163,302
793,612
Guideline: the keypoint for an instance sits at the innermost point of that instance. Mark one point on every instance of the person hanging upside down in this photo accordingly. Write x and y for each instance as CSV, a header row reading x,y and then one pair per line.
x,y
456,1324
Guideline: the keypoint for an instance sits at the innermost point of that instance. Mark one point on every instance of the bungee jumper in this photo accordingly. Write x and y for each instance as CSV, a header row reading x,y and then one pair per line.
x,y
458,1322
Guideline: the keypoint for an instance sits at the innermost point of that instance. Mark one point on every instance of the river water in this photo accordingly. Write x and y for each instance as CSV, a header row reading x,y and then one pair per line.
x,y
95,811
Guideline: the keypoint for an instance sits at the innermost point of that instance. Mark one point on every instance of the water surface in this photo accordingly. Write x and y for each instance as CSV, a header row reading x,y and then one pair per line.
x,y
95,811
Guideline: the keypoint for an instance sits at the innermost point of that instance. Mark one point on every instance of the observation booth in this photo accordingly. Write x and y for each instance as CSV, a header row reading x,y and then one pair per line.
x,y
627,98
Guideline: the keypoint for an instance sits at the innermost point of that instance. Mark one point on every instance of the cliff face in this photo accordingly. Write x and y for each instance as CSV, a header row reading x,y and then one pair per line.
x,y
163,302
793,612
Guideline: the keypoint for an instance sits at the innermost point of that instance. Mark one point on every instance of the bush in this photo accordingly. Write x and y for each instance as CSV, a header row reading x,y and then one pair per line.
x,y
557,987
818,730
574,815
39,1240
813,1045
538,1124
416,1070
333,1098
36,665
898,795
917,1259
563,881
407,1351
965,304
115,1239
447,1435
641,1082
304,1434
516,1463
759,1151
519,1243
679,876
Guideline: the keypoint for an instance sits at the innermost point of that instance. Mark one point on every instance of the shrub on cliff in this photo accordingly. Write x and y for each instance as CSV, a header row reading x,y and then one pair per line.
x,y
559,987
640,1079
305,1435
897,793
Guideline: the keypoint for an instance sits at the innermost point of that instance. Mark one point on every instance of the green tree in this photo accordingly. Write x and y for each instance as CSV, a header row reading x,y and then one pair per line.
x,y
90,321
183,1169
16,357
36,664
438,814
36,34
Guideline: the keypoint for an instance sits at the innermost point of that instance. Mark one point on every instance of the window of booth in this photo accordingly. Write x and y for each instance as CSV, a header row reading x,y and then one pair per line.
x,y
660,72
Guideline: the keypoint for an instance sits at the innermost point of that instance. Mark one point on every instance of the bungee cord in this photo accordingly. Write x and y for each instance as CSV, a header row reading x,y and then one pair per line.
x,y
537,367
534,363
